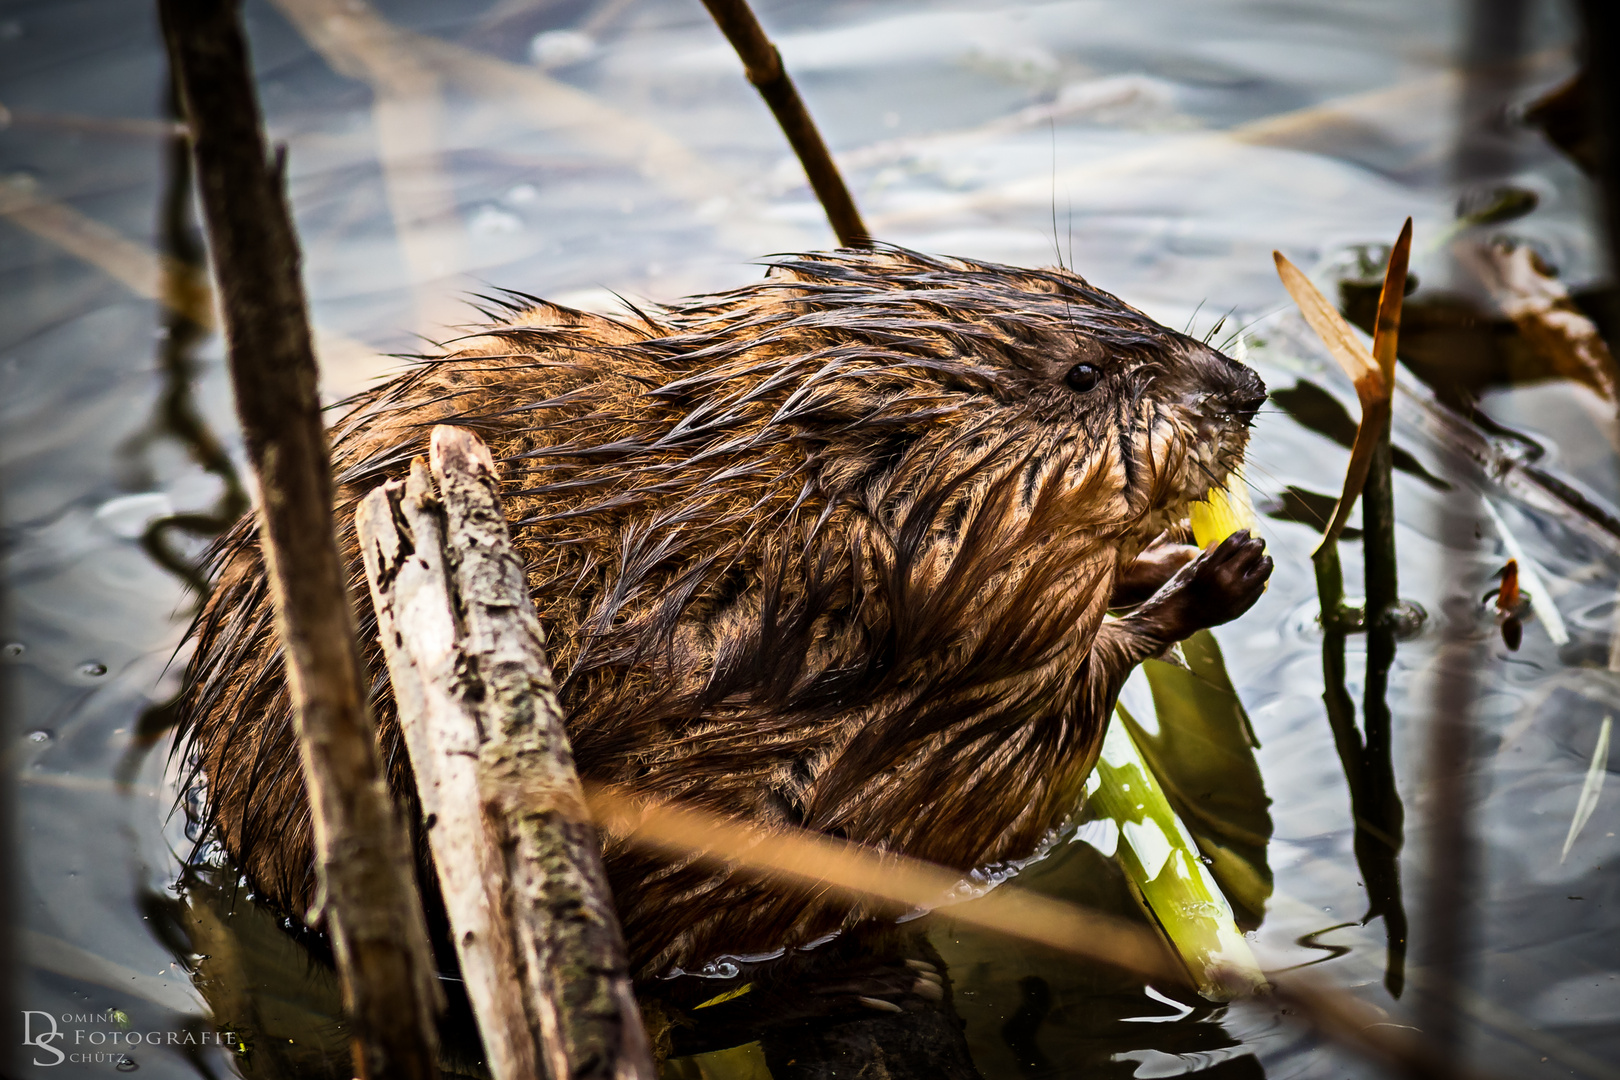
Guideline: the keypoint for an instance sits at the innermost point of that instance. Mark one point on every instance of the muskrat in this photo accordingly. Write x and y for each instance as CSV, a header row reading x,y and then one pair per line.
x,y
832,550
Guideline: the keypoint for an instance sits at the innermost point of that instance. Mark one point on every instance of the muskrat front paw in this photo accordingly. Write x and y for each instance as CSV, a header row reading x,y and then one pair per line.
x,y
1150,571
885,988
1217,587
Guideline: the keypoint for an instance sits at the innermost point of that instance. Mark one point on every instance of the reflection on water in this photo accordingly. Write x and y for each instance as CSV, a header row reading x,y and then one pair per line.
x,y
572,148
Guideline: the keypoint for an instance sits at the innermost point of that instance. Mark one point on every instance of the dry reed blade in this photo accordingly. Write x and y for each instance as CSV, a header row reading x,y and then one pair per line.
x,y
813,861
408,118
1374,416
1592,788
135,265
1373,389
346,362
1387,328
1336,334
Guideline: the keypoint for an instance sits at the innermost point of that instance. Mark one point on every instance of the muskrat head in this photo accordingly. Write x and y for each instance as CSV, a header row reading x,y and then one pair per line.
x,y
866,462
947,388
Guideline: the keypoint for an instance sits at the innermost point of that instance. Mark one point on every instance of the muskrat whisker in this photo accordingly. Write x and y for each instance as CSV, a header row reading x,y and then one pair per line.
x,y
1187,329
1217,327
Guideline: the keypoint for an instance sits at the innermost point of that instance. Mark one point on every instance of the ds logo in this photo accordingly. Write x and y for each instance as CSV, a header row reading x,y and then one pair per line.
x,y
45,1037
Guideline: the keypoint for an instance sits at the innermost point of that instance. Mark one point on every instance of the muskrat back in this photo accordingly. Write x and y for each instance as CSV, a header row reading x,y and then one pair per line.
x,y
832,551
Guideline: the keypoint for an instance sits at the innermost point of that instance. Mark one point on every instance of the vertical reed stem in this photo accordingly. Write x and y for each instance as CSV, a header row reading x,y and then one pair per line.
x,y
763,65
1378,541
1330,587
367,892
1375,804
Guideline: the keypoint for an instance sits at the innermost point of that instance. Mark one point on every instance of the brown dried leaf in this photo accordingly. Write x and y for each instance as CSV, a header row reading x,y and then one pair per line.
x,y
1388,327
1374,419
1374,378
1335,333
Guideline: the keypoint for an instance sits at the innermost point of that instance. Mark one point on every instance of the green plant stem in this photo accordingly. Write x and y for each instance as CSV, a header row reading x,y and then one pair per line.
x,y
1375,805
1380,817
1378,539
1162,862
1330,587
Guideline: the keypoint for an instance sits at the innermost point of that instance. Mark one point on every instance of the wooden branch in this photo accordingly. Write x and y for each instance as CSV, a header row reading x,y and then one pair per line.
x,y
367,890
763,65
401,532
517,858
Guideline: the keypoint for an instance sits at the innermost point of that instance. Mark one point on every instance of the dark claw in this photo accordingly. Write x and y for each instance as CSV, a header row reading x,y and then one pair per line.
x,y
1217,587
879,1004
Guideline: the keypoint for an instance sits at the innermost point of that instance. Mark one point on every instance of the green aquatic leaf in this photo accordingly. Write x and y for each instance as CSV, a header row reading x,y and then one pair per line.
x,y
1592,788
1194,734
1161,860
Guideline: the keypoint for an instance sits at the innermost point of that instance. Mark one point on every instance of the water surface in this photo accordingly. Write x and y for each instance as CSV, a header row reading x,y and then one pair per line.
x,y
575,151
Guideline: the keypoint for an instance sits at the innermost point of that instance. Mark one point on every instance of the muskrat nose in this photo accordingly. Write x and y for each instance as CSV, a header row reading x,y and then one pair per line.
x,y
1235,390
1247,394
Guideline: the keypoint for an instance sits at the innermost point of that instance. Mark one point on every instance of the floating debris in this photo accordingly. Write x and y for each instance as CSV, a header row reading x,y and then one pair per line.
x,y
1592,788
1529,581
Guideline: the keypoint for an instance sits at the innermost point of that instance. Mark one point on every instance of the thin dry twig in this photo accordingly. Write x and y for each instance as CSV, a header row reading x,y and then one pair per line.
x,y
408,117
364,866
763,64
152,275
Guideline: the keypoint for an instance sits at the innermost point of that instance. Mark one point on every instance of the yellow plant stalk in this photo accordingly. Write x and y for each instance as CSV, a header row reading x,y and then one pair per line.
x,y
1160,858
1223,512
745,1062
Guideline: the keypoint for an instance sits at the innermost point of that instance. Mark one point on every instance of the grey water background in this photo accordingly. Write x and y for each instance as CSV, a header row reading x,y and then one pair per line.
x,y
577,150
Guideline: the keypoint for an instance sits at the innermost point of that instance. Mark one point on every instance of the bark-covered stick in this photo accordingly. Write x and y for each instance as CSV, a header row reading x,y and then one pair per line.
x,y
763,65
566,932
401,531
368,894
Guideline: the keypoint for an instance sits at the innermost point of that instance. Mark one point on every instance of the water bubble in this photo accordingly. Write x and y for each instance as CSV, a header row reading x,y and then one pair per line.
x,y
12,649
557,48
126,1064
92,669
493,221
40,736
128,516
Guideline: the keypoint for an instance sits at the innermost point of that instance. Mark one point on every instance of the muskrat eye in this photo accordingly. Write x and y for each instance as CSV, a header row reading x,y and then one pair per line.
x,y
1082,377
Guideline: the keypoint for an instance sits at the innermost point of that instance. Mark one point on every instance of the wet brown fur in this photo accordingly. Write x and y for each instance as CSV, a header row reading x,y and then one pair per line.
x,y
831,550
